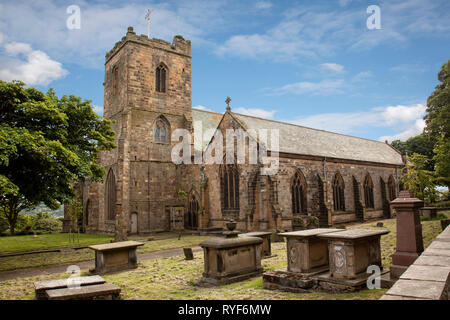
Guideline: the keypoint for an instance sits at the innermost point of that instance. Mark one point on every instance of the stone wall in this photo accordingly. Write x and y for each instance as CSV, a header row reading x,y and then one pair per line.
x,y
428,278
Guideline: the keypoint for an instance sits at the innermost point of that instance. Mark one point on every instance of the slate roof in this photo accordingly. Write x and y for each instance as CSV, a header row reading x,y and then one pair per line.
x,y
297,139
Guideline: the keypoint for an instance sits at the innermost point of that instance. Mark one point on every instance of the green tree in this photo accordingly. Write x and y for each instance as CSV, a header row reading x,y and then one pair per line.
x,y
422,144
437,121
418,179
45,144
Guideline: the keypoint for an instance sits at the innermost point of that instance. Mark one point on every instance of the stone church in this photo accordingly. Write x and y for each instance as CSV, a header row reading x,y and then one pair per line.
x,y
147,91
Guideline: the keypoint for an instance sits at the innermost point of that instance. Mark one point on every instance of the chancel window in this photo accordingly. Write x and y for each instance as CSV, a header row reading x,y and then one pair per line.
x,y
110,196
368,192
161,131
298,192
230,186
160,81
338,193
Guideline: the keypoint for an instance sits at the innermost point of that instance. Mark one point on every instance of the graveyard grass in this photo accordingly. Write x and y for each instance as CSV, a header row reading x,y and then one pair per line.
x,y
175,278
163,241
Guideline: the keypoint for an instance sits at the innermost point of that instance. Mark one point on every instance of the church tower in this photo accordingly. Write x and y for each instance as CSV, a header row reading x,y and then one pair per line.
x,y
148,94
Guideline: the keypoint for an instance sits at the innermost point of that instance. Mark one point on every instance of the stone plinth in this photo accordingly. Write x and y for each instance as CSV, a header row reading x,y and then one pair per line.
x,y
352,251
409,233
428,212
266,250
307,252
115,256
231,259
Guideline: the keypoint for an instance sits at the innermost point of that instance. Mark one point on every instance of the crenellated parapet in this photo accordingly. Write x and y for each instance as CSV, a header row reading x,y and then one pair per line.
x,y
179,45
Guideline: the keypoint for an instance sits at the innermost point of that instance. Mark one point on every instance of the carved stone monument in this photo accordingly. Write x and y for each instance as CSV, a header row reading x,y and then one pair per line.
x,y
231,258
115,256
352,251
307,252
409,233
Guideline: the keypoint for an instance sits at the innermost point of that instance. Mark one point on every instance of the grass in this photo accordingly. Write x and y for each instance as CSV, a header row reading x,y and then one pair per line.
x,y
47,241
66,257
175,278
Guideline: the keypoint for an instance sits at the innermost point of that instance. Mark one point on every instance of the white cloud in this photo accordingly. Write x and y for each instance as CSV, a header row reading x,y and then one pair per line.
x,y
414,130
323,30
363,75
200,107
263,5
407,119
42,24
324,87
33,67
98,110
332,67
260,113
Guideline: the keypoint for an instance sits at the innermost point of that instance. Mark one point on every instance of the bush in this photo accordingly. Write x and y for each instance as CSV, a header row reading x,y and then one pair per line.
x,y
48,224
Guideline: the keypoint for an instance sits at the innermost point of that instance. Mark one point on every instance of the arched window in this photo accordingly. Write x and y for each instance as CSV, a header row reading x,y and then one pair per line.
x,y
338,193
298,192
391,188
115,76
368,192
160,81
191,220
110,196
230,186
161,130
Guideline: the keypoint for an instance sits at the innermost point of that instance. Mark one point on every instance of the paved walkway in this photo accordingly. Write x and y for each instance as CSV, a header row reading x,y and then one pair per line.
x,y
32,272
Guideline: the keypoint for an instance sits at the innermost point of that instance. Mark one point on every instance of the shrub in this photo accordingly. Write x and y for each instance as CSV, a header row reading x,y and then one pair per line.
x,y
48,224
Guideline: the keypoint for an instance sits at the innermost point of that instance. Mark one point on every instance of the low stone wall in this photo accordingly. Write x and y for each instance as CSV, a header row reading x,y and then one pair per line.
x,y
428,278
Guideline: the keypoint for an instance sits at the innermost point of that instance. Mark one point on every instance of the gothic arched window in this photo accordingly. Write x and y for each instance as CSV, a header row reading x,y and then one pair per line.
x,y
230,186
161,130
368,192
298,192
115,77
391,188
160,81
338,193
110,196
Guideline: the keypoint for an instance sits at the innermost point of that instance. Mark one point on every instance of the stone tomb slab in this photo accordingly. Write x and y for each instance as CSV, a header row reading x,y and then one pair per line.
x,y
265,236
231,259
418,289
306,252
41,287
441,245
115,256
352,251
436,252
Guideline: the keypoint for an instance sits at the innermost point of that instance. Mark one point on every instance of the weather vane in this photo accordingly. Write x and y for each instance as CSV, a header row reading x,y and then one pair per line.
x,y
147,17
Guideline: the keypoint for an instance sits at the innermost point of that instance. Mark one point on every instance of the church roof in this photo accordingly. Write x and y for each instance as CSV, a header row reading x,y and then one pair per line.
x,y
297,139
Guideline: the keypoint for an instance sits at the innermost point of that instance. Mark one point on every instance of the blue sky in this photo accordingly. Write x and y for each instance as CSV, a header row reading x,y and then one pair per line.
x,y
313,63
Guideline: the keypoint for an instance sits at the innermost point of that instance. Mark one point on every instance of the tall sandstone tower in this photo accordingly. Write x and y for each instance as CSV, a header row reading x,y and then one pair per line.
x,y
148,94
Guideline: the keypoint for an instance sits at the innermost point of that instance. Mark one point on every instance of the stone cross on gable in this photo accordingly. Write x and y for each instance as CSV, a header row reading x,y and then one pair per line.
x,y
227,101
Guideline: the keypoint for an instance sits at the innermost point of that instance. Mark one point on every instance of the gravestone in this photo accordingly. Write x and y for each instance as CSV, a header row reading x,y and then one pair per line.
x,y
266,237
115,256
409,233
231,258
188,254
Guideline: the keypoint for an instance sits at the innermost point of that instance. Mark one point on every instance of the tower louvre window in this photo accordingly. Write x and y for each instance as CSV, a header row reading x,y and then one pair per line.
x,y
115,74
161,131
160,81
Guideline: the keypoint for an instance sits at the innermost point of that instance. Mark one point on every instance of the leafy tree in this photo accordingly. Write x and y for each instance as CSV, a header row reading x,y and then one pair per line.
x,y
422,144
437,121
418,179
45,144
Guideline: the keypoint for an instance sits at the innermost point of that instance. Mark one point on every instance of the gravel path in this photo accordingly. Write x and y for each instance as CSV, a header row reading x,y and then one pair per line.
x,y
31,272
